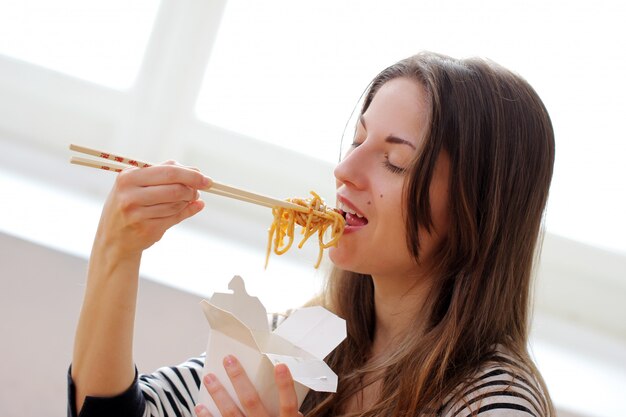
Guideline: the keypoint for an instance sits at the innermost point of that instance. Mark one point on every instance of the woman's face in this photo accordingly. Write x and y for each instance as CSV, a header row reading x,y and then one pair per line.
x,y
370,181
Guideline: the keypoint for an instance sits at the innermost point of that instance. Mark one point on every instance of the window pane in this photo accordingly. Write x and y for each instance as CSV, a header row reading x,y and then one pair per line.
x,y
99,41
291,75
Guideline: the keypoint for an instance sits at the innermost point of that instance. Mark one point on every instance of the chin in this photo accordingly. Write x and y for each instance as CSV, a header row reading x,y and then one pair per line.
x,y
332,255
339,258
343,260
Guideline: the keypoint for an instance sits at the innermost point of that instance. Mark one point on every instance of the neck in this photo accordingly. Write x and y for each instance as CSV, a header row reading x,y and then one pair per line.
x,y
398,303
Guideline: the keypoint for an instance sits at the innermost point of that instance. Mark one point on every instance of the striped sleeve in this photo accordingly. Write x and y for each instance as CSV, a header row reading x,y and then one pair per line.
x,y
172,391
501,390
168,392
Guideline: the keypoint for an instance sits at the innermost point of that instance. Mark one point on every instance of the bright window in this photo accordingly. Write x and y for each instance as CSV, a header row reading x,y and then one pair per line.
x,y
98,41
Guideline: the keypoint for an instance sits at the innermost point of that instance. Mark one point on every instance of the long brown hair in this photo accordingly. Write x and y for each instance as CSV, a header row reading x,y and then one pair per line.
x,y
500,141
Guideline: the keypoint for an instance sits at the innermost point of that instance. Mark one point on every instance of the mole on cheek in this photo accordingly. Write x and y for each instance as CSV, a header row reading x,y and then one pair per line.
x,y
381,196
369,202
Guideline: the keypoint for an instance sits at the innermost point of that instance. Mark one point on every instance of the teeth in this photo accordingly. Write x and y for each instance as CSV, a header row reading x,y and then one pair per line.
x,y
349,210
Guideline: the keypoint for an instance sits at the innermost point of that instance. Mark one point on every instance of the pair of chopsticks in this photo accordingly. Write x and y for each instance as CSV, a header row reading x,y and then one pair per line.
x,y
116,163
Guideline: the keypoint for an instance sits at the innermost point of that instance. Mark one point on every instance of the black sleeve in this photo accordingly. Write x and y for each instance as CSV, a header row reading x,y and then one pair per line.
x,y
129,403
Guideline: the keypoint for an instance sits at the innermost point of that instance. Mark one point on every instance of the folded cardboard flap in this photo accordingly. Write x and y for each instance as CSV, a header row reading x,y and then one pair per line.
x,y
314,329
301,342
248,309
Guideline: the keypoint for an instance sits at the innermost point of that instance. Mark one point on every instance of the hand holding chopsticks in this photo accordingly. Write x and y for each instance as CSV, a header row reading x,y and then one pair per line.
x,y
117,163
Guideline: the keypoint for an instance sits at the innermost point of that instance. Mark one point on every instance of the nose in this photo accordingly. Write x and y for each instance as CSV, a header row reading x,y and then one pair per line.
x,y
350,171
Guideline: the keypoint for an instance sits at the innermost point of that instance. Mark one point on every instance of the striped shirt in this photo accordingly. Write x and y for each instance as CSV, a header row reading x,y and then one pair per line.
x,y
501,389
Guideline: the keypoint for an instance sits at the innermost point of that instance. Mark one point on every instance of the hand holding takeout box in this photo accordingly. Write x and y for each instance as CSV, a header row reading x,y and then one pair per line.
x,y
238,326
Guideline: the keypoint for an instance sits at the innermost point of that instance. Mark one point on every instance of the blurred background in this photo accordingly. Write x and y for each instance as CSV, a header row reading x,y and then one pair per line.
x,y
258,95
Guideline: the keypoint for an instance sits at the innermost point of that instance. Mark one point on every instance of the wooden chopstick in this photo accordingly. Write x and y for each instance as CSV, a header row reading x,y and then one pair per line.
x,y
107,166
110,156
117,163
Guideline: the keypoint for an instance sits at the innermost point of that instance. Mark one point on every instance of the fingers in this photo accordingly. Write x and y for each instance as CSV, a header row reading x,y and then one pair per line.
x,y
160,211
169,173
170,214
286,391
220,396
159,191
168,193
246,392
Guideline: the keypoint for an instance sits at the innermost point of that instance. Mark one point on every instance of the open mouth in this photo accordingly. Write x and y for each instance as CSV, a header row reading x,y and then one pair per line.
x,y
353,218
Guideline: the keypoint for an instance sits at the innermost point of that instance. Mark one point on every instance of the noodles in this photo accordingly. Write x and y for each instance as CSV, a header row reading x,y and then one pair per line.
x,y
318,219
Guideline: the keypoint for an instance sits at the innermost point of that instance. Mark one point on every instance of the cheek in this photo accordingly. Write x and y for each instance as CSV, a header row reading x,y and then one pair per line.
x,y
394,226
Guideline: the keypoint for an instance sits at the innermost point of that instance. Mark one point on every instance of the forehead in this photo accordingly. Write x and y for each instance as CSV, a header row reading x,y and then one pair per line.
x,y
400,107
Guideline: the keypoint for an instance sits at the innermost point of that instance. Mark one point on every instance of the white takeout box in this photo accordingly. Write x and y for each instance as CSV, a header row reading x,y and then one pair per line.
x,y
239,326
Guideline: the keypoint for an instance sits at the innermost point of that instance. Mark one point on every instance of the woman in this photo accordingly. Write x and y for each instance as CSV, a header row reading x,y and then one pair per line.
x,y
443,191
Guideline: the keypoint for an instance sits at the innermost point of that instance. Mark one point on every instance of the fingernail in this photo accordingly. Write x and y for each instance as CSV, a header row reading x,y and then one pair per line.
x,y
210,379
281,369
206,181
230,361
201,410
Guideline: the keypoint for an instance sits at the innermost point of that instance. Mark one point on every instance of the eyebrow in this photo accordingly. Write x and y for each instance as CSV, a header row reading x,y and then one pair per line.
x,y
390,138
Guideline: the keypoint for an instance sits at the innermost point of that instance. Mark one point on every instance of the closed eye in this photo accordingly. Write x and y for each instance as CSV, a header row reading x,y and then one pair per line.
x,y
393,168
